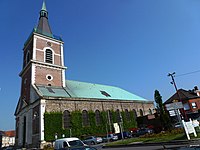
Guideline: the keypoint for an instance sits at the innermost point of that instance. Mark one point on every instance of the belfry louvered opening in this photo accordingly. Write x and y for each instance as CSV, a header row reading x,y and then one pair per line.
x,y
49,56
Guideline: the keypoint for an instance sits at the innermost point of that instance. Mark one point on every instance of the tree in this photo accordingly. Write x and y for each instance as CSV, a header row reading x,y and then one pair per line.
x,y
164,118
159,103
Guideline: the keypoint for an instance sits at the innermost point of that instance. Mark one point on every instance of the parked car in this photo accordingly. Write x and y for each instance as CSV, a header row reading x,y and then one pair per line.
x,y
110,138
92,140
68,142
126,134
80,148
142,131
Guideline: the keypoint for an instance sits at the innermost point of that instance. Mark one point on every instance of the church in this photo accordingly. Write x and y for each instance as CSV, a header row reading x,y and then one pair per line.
x,y
51,107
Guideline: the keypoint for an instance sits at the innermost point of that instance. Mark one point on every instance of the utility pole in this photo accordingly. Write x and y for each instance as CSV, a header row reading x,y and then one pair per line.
x,y
172,75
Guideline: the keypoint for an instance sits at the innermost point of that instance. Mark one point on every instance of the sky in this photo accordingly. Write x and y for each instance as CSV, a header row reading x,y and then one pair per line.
x,y
131,44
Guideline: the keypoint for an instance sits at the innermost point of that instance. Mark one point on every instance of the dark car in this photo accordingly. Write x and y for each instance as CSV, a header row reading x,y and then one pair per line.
x,y
142,131
125,135
92,140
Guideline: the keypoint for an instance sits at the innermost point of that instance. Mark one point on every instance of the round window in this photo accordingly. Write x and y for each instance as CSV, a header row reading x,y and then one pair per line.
x,y
49,77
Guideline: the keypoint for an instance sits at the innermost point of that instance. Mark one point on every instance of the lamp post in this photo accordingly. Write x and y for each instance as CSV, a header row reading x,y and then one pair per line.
x,y
121,126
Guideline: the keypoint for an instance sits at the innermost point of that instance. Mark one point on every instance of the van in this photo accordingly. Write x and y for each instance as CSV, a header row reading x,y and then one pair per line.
x,y
67,142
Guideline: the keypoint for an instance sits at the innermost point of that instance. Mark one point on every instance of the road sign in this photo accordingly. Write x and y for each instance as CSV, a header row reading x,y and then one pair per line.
x,y
172,106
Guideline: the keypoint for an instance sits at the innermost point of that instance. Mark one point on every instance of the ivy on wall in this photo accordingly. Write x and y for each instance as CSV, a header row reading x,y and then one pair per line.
x,y
53,124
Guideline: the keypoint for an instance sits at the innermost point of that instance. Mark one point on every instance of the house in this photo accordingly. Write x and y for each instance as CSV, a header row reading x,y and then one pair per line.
x,y
7,138
190,100
50,106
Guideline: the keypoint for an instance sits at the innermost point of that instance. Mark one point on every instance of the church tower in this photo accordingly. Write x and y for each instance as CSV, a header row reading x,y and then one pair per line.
x,y
43,60
43,65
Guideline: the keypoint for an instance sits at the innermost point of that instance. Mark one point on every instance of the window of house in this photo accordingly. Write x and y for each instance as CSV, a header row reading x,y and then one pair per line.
x,y
194,105
98,117
66,119
85,118
48,56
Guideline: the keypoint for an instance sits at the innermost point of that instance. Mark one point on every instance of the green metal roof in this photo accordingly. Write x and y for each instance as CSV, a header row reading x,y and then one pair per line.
x,y
78,89
89,90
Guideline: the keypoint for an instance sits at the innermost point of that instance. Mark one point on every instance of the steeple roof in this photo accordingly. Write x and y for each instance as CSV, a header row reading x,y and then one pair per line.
x,y
44,6
43,24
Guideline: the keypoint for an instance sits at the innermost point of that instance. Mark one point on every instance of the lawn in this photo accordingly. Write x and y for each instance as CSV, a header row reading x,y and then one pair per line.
x,y
152,138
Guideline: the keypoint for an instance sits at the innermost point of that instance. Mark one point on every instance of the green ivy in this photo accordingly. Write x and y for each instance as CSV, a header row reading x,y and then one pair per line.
x,y
53,124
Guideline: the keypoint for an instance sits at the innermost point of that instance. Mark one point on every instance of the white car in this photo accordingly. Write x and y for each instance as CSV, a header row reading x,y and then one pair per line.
x,y
68,142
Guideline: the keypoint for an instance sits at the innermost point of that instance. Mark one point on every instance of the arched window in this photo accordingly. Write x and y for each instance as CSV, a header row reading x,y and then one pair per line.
x,y
118,115
98,117
150,111
66,119
110,117
28,57
141,112
85,118
49,56
134,114
128,117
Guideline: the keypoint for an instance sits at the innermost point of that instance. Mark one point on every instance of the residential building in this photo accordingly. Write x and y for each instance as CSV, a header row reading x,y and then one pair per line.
x,y
190,100
7,138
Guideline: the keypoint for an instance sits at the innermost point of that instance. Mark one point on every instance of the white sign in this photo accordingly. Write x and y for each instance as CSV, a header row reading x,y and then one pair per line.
x,y
172,106
189,128
116,127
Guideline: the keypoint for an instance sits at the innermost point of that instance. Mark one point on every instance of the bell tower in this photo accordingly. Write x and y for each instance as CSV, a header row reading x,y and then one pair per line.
x,y
43,60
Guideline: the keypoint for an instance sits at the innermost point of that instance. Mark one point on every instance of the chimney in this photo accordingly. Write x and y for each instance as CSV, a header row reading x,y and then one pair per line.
x,y
196,90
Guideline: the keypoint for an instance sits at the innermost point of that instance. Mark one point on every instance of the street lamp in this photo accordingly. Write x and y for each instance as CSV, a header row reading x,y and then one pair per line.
x,y
121,125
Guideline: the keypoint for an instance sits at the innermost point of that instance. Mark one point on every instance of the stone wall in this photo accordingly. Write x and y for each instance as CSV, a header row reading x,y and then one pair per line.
x,y
72,104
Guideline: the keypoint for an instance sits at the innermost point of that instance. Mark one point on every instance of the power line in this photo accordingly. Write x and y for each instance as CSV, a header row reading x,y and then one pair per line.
x,y
184,74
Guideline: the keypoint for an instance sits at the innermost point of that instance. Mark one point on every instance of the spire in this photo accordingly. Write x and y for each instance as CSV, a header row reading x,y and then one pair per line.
x,y
44,6
43,24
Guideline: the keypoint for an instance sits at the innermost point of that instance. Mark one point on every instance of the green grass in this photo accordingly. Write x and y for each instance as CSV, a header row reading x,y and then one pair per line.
x,y
161,137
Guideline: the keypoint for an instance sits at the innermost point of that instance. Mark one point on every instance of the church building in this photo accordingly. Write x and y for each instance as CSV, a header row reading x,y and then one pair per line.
x,y
45,93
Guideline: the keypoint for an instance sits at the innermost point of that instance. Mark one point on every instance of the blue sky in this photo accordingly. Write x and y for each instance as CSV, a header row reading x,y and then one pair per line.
x,y
131,44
